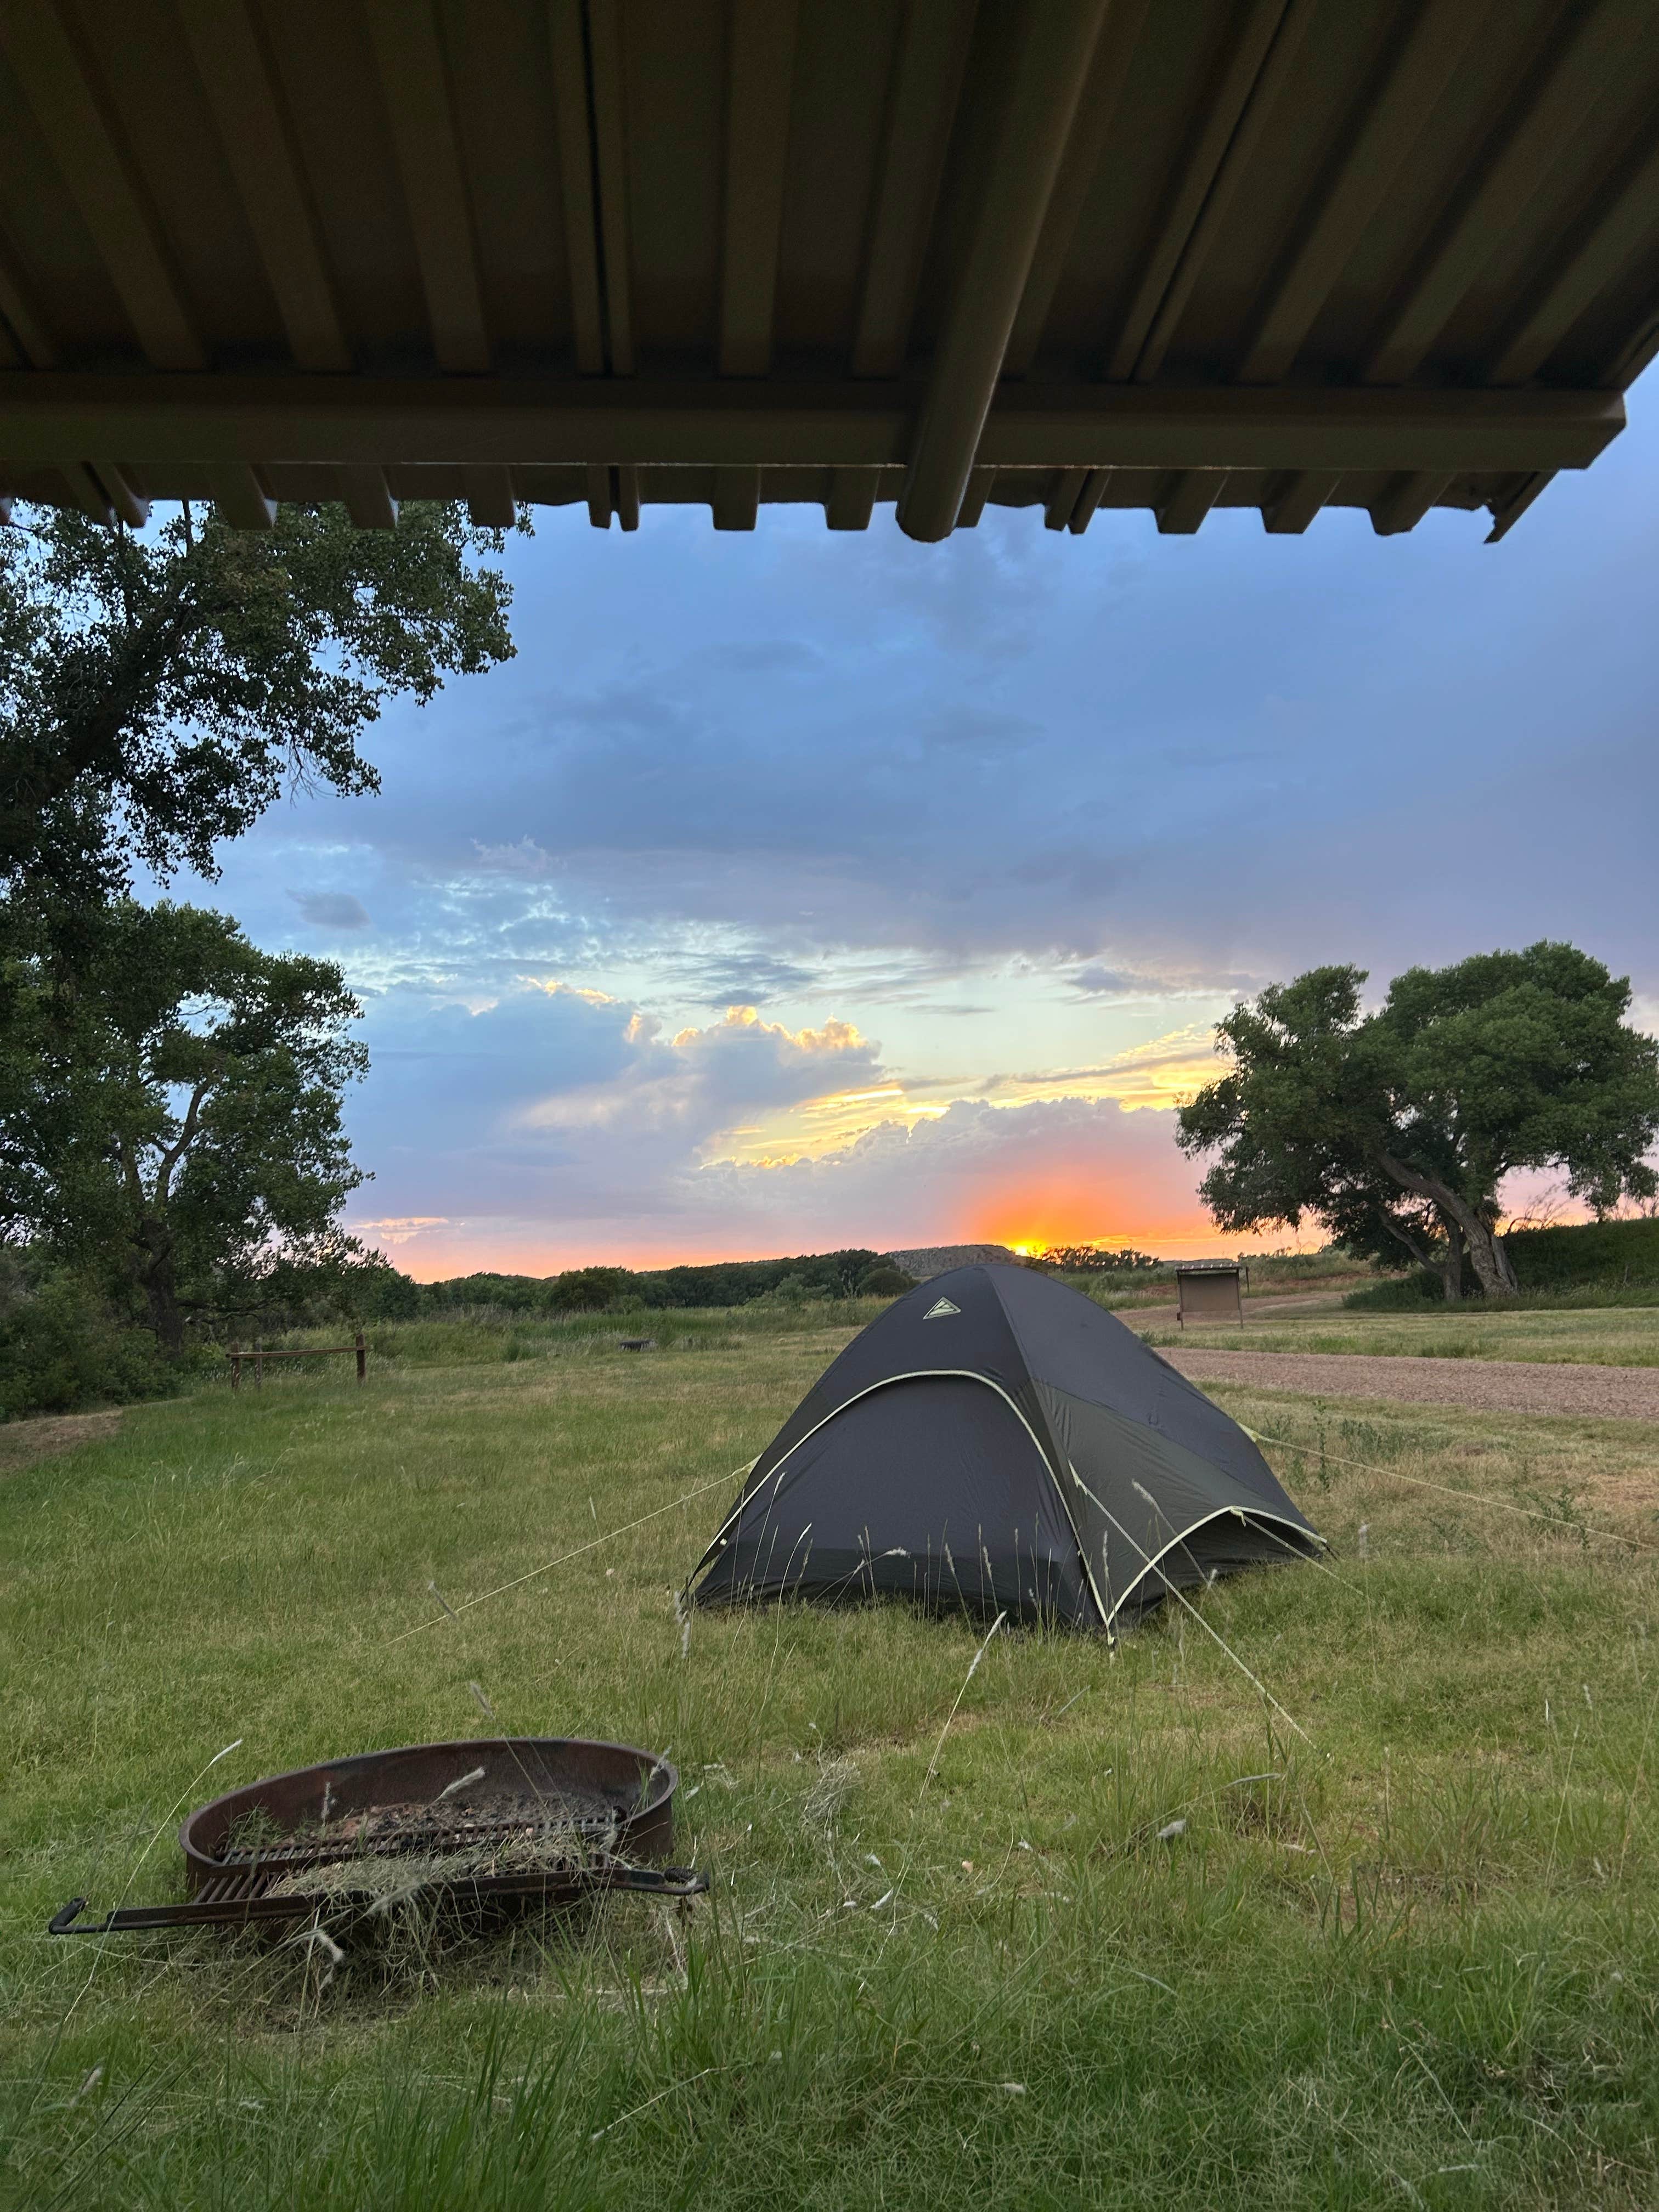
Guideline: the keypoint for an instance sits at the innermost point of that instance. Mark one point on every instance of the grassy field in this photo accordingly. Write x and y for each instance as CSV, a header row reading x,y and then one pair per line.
x,y
1073,1926
1617,1337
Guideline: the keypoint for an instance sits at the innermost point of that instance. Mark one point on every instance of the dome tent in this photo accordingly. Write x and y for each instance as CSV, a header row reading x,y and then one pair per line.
x,y
996,1440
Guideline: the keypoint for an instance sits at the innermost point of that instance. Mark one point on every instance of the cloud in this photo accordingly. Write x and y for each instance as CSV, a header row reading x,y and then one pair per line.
x,y
701,1081
1093,786
399,1229
553,1105
332,909
1096,980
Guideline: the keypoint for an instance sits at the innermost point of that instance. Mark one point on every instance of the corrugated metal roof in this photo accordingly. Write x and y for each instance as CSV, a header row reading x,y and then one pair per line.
x,y
1071,254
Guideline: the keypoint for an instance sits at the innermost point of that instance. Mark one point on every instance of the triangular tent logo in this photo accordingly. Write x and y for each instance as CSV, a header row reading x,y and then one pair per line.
x,y
940,1308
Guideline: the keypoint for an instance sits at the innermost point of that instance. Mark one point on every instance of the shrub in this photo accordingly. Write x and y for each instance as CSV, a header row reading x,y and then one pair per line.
x,y
1611,1252
885,1282
63,1346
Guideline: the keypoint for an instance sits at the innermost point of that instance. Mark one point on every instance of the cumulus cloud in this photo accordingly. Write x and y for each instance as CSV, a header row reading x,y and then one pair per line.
x,y
700,1081
555,1106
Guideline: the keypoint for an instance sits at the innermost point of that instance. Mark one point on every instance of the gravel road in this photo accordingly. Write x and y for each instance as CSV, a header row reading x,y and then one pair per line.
x,y
1511,1386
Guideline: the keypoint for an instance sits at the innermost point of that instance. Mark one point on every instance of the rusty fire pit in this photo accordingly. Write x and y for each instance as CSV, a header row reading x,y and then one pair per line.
x,y
507,1820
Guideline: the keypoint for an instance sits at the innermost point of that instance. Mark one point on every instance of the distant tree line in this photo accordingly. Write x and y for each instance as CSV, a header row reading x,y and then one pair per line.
x,y
384,1293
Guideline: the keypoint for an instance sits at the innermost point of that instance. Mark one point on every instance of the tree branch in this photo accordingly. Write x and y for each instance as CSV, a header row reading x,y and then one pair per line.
x,y
187,1132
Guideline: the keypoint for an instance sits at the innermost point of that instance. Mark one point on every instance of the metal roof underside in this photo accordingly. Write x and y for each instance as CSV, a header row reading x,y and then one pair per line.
x,y
1070,254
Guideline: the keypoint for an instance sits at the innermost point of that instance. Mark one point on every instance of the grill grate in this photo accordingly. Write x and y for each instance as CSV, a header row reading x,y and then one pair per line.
x,y
563,1808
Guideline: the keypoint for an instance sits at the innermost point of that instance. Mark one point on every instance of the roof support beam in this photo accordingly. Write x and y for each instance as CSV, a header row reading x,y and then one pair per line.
x,y
1188,499
264,160
368,499
760,77
737,498
241,499
927,73
605,64
1386,131
1265,88
1049,70
87,493
415,79
48,416
852,498
1197,173
1404,506
1504,517
101,180
1294,506
1097,118
490,501
979,481
628,497
1088,500
1062,500
129,504
581,244
24,341
1600,48
1625,222
600,496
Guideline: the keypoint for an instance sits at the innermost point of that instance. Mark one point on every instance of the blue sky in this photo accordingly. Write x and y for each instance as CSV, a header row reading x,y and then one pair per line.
x,y
795,890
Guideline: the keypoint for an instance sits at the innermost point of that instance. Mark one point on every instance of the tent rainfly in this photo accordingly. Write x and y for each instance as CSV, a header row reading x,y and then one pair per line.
x,y
996,1440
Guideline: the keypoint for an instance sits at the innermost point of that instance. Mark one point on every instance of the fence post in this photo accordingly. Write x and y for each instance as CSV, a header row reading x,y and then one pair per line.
x,y
235,1365
258,1363
362,1357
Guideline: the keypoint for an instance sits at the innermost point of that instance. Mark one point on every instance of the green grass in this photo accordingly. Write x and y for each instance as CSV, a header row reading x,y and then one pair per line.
x,y
1411,1961
1601,1337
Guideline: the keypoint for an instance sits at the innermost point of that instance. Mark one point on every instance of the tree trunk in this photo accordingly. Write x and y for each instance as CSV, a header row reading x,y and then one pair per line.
x,y
1451,1266
1491,1263
159,1283
1492,1269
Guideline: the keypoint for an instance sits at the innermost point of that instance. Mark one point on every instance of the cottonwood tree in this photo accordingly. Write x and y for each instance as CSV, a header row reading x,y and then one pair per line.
x,y
1396,1128
170,1104
159,690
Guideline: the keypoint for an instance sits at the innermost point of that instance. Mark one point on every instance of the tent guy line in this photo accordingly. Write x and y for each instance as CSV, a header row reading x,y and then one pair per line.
x,y
454,1612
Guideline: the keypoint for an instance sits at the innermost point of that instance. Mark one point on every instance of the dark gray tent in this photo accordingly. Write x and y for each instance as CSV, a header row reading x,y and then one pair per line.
x,y
997,1440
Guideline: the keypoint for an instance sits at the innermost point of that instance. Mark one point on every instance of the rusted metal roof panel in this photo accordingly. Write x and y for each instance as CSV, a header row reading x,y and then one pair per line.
x,y
1073,254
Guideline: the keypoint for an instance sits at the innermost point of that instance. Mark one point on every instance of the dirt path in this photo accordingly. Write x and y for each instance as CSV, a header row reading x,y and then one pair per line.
x,y
23,1442
1513,1385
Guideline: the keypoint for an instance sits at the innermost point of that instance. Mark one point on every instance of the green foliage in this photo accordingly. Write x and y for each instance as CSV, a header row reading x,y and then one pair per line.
x,y
885,1282
587,1289
170,1107
1615,1253
1395,1129
64,1345
158,691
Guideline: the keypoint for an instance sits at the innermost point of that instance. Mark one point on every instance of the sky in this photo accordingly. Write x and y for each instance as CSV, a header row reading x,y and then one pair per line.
x,y
793,889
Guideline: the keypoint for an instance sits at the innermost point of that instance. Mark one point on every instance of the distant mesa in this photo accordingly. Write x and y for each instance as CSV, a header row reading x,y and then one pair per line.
x,y
940,1259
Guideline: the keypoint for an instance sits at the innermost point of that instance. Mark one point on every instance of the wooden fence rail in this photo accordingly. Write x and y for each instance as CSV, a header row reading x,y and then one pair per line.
x,y
258,1356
